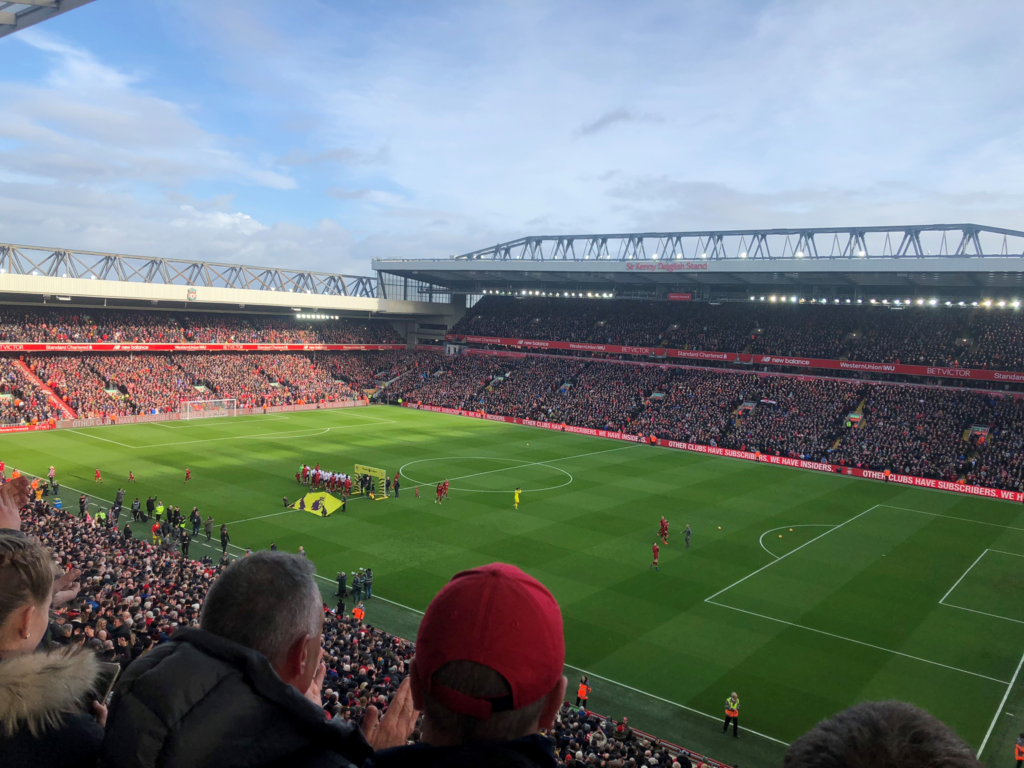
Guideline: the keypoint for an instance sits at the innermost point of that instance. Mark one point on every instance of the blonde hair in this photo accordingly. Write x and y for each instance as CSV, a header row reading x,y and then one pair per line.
x,y
26,573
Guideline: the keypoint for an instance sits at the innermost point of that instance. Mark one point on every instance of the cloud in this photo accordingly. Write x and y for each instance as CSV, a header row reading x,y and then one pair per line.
x,y
118,222
89,123
499,123
339,132
614,117
658,203
370,195
79,68
342,155
218,220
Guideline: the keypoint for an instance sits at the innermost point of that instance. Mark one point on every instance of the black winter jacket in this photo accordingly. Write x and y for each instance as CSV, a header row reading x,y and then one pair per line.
x,y
205,702
529,752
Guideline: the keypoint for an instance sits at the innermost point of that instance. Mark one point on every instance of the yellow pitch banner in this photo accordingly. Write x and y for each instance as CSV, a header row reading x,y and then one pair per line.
x,y
379,478
320,503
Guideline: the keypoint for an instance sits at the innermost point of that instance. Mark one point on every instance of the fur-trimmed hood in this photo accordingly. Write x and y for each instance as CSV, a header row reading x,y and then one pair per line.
x,y
38,689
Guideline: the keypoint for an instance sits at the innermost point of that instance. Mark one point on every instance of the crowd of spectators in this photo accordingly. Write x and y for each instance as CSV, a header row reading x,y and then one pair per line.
x,y
75,380
119,384
456,382
792,417
301,379
970,337
255,380
135,596
605,396
149,382
357,332
527,389
21,401
914,430
584,738
97,325
998,459
370,370
59,326
696,408
922,431
530,319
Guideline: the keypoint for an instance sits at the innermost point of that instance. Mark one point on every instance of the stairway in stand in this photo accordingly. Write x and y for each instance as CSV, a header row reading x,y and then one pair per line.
x,y
50,394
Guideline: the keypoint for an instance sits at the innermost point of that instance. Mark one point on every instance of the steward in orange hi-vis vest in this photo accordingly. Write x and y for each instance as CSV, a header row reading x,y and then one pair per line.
x,y
582,693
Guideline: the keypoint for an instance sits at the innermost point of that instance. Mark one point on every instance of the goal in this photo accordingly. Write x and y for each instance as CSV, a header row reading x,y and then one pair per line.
x,y
208,409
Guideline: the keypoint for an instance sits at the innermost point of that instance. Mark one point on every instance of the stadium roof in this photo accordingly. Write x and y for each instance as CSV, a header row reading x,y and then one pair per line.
x,y
29,273
24,14
851,260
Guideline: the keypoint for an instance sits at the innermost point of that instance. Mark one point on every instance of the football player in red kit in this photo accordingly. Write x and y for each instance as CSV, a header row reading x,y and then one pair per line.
x,y
663,530
654,549
188,474
444,488
98,478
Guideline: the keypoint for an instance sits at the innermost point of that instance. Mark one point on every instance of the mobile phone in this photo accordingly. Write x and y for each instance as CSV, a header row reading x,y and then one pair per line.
x,y
105,681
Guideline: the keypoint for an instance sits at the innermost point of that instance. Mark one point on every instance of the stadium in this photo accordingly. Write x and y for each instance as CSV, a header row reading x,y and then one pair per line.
x,y
820,432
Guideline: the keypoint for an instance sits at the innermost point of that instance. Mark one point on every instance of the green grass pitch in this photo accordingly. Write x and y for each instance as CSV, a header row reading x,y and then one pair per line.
x,y
803,592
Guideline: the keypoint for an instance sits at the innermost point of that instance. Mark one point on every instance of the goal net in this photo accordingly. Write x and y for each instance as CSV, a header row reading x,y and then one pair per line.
x,y
208,409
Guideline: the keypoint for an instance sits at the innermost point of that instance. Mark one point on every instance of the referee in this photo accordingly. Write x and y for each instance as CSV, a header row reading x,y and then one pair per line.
x,y
732,713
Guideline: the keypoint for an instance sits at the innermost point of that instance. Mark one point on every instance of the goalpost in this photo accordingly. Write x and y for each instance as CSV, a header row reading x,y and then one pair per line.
x,y
208,409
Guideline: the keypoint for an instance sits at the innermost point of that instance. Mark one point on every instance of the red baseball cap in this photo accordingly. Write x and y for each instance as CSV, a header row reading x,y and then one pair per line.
x,y
499,617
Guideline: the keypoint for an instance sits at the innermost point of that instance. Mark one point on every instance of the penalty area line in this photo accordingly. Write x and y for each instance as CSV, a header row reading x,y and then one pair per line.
x,y
791,552
942,600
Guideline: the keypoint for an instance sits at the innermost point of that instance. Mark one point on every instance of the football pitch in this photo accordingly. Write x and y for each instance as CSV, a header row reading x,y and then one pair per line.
x,y
803,592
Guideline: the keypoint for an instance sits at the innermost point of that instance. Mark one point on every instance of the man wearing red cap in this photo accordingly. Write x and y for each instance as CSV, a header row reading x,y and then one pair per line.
x,y
487,674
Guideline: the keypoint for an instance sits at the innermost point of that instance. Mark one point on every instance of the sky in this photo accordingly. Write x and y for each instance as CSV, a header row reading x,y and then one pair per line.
x,y
320,134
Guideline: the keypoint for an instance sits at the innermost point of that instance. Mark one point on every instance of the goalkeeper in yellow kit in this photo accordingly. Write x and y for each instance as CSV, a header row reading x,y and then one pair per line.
x,y
518,491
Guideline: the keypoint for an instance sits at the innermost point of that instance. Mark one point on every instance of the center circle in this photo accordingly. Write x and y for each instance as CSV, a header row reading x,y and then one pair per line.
x,y
516,464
